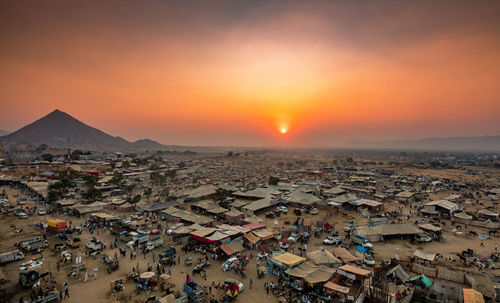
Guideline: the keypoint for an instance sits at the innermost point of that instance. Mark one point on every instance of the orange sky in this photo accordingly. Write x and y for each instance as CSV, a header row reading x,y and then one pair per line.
x,y
237,72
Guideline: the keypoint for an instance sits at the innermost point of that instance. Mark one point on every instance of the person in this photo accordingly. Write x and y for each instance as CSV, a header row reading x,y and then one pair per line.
x,y
95,273
482,243
66,293
496,247
204,275
267,287
58,265
60,296
153,257
86,277
251,283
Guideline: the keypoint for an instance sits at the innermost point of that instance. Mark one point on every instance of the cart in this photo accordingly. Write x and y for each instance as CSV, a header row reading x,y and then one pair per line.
x,y
116,285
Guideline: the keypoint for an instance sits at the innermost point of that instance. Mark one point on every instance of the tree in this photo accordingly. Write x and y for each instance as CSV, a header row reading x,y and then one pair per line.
x,y
91,194
90,180
157,178
42,147
54,195
349,160
134,200
170,173
117,178
165,193
221,195
47,157
147,192
128,189
73,174
76,154
230,154
273,180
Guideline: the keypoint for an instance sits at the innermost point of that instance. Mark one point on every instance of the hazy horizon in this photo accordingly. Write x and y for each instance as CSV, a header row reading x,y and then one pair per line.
x,y
237,73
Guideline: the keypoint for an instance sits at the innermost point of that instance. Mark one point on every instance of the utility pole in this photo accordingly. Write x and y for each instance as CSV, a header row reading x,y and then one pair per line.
x,y
69,160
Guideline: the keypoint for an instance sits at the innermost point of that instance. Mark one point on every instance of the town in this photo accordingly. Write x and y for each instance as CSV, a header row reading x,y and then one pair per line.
x,y
218,225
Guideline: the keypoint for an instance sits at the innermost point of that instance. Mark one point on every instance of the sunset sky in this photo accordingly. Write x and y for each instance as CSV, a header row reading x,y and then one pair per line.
x,y
254,73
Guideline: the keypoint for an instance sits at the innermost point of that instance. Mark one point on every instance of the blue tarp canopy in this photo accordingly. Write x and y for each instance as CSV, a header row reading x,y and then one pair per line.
x,y
361,249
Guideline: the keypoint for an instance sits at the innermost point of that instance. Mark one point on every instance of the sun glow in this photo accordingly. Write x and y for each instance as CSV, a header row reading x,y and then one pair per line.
x,y
283,130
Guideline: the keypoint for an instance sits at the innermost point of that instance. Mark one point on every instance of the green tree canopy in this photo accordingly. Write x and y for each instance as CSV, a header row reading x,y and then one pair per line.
x,y
47,157
221,195
273,180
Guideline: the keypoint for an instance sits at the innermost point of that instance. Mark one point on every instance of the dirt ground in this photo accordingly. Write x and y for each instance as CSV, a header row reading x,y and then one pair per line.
x,y
99,290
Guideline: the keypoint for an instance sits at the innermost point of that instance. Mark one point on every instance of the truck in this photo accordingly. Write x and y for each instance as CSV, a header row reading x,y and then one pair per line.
x,y
194,291
125,236
116,228
23,243
154,243
139,237
56,225
34,245
11,256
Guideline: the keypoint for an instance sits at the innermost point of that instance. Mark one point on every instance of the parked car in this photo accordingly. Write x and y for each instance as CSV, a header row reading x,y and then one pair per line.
x,y
270,215
369,260
136,217
362,242
350,226
422,238
41,212
230,263
22,215
282,209
330,240
293,238
314,211
94,245
297,212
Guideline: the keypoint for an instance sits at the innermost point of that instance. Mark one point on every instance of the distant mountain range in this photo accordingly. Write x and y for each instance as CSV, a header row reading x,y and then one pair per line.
x,y
3,132
56,128
485,143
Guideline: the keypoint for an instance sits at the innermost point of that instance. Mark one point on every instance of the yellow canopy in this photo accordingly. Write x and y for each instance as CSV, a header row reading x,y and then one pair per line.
x,y
472,296
289,259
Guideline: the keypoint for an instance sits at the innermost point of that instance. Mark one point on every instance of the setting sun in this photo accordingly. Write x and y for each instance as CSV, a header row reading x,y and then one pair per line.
x,y
284,130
